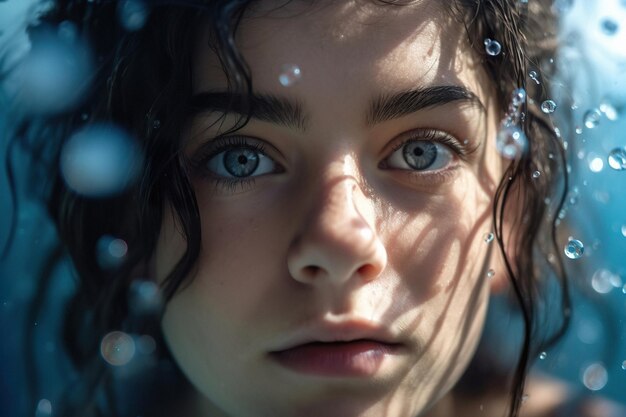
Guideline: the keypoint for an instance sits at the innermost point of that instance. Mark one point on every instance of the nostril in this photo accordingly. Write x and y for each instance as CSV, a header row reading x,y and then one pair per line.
x,y
367,271
310,271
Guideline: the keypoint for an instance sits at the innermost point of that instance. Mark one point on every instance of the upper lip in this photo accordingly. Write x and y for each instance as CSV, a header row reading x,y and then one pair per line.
x,y
344,331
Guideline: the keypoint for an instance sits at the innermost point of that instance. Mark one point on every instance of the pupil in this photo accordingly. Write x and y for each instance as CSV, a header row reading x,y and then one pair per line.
x,y
418,152
242,159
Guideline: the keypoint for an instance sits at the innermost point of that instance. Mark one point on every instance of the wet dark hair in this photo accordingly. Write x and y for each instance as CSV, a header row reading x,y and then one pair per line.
x,y
145,76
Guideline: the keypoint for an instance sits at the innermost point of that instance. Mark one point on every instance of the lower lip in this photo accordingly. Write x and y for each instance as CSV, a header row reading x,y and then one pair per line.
x,y
358,358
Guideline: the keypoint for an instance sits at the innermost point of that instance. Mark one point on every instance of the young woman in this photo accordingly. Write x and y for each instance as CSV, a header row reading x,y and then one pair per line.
x,y
320,188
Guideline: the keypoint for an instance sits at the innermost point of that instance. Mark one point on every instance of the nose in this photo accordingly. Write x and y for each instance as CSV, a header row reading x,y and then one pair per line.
x,y
338,239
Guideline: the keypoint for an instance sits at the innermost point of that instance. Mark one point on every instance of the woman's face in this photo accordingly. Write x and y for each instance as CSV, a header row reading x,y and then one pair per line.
x,y
343,263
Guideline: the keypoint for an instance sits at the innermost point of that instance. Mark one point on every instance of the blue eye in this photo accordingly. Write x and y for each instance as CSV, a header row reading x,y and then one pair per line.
x,y
420,155
240,161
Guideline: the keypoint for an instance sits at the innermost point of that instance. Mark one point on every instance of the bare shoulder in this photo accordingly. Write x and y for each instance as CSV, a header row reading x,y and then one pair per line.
x,y
549,397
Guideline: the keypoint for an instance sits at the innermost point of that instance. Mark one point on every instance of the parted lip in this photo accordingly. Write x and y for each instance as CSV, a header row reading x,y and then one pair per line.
x,y
337,332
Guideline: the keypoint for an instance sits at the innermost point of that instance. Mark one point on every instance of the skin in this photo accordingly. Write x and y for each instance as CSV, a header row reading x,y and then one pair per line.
x,y
338,230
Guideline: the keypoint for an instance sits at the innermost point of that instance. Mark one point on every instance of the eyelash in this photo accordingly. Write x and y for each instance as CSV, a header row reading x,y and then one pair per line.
x,y
233,184
222,144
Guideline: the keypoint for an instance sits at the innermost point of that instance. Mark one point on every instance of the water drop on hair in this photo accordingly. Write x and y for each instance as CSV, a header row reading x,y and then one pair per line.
x,y
534,76
617,159
519,97
574,249
492,47
536,174
543,355
117,348
156,124
548,106
592,118
511,142
289,75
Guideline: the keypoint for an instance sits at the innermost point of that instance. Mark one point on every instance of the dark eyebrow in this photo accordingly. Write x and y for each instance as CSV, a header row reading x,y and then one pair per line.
x,y
265,107
388,107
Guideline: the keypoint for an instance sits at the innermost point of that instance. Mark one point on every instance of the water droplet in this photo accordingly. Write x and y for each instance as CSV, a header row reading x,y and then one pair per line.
x,y
44,408
601,281
579,130
110,251
145,297
624,365
624,230
99,161
519,97
595,377
609,26
536,174
596,164
84,116
534,76
525,398
492,47
156,124
617,159
490,273
563,6
548,106
610,112
290,75
592,118
132,14
543,355
574,249
624,289
511,142
117,348
146,344
488,237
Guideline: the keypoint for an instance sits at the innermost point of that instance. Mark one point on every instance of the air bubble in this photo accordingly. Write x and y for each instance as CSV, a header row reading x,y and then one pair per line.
x,y
117,348
592,118
548,106
609,27
488,237
289,75
536,174
492,47
110,251
511,142
44,408
132,14
595,377
617,159
543,355
99,161
574,249
490,273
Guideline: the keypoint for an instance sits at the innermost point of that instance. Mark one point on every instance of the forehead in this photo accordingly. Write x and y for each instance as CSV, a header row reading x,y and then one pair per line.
x,y
341,43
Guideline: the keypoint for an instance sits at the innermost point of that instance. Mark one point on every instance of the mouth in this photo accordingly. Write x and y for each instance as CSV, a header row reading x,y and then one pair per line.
x,y
355,358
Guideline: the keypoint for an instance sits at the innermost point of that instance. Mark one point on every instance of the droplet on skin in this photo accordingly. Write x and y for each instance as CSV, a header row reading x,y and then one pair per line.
x,y
548,106
490,273
117,348
492,47
488,237
290,74
595,377
511,142
574,249
617,159
592,118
